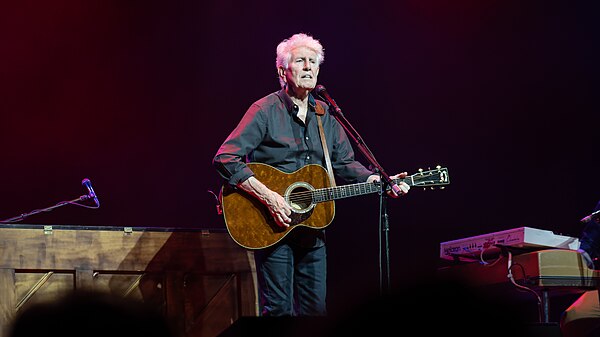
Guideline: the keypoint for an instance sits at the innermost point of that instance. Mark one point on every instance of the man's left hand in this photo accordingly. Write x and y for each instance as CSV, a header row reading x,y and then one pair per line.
x,y
404,187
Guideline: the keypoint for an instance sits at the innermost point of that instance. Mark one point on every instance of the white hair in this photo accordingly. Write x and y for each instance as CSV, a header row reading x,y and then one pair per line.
x,y
285,47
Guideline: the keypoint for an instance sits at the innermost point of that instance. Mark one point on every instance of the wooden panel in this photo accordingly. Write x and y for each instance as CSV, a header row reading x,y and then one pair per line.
x,y
136,285
35,287
211,303
7,295
201,281
118,250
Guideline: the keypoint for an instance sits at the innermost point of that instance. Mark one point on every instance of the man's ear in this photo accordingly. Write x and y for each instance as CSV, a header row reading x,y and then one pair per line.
x,y
281,72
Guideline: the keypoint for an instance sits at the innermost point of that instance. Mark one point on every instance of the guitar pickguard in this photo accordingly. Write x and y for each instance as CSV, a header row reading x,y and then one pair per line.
x,y
298,218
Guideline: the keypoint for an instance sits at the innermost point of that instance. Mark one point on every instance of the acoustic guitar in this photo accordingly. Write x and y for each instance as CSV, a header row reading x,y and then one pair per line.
x,y
310,196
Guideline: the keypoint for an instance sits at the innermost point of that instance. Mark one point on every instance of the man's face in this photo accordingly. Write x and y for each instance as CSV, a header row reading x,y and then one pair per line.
x,y
303,69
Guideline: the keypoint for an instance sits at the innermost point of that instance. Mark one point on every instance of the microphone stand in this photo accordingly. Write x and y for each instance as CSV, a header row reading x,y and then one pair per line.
x,y
47,209
384,257
386,181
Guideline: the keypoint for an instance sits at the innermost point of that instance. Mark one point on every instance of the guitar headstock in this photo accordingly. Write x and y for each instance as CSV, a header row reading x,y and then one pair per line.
x,y
432,177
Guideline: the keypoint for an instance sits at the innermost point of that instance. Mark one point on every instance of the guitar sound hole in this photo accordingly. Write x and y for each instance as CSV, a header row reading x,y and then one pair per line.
x,y
300,198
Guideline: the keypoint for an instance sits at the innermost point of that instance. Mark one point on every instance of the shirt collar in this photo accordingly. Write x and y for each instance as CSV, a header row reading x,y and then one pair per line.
x,y
289,104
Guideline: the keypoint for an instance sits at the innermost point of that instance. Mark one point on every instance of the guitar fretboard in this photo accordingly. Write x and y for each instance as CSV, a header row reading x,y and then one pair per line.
x,y
346,191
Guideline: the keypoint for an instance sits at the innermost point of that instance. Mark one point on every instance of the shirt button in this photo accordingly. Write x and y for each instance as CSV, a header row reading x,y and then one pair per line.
x,y
306,137
307,157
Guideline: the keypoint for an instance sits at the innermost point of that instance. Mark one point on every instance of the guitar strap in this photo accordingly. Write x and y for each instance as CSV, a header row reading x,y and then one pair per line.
x,y
320,112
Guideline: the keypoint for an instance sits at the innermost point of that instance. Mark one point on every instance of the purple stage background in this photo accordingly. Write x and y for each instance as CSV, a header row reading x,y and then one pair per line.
x,y
138,95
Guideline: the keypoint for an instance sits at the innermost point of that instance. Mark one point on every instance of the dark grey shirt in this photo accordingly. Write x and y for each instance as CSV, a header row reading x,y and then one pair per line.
x,y
270,132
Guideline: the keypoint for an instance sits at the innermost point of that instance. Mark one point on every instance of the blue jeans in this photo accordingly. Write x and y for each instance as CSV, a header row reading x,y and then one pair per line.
x,y
292,280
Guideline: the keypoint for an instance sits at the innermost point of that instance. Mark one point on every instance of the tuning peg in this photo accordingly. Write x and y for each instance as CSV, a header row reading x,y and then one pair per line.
x,y
438,167
421,170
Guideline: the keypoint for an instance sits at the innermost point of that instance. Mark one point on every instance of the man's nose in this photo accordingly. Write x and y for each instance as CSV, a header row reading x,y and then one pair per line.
x,y
307,65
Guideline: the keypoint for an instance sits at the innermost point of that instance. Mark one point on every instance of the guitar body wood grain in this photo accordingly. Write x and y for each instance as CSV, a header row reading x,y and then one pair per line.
x,y
251,225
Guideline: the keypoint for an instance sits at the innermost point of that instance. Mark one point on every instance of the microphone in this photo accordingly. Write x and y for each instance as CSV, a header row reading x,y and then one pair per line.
x,y
87,183
594,216
322,92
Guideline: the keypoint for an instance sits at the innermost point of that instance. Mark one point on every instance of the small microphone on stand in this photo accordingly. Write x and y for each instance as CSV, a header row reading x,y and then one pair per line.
x,y
322,92
87,183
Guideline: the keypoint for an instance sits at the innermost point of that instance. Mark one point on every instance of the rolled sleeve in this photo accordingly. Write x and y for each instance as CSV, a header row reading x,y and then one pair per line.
x,y
232,176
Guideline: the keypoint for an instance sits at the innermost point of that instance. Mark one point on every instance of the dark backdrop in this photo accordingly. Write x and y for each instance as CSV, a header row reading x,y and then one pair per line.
x,y
138,95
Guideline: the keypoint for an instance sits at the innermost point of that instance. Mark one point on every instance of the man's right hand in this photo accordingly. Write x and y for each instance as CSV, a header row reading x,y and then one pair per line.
x,y
278,207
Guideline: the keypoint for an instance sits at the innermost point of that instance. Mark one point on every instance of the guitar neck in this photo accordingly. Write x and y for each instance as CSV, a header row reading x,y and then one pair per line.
x,y
352,190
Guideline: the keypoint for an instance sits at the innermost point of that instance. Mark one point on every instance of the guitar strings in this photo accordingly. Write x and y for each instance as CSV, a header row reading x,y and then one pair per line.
x,y
329,193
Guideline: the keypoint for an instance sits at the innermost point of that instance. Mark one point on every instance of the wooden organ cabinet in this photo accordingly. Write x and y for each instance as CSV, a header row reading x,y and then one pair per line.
x,y
201,280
